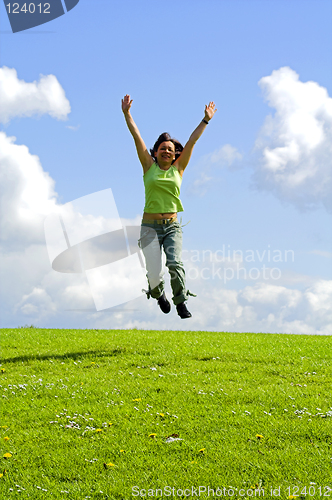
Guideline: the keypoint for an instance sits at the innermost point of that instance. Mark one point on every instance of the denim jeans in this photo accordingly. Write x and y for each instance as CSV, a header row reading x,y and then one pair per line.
x,y
153,237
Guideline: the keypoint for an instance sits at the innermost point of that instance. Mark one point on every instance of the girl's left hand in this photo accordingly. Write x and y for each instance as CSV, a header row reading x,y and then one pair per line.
x,y
209,111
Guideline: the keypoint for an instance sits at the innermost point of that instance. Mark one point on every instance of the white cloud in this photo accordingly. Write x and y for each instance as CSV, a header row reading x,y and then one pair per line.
x,y
226,156
208,166
37,302
261,307
296,142
266,305
319,297
322,253
73,127
19,98
33,293
270,295
199,186
27,194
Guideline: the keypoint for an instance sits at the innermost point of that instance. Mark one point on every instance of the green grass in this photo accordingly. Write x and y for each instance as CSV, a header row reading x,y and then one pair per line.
x,y
216,391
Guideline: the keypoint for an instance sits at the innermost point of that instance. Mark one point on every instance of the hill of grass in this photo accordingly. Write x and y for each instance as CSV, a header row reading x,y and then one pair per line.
x,y
110,414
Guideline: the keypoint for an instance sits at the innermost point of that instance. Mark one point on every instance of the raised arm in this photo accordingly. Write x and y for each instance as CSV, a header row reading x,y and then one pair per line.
x,y
143,154
184,158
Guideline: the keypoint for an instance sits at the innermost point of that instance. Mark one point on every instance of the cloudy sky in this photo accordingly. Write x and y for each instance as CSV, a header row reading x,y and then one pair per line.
x,y
257,192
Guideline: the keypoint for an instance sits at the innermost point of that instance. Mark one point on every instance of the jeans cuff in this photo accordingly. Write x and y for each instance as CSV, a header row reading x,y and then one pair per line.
x,y
183,297
156,292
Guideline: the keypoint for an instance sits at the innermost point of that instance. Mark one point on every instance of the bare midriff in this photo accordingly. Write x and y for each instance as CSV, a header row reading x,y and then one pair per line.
x,y
148,216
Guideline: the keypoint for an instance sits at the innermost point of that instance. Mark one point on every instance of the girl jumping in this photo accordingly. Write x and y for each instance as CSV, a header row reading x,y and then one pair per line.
x,y
163,169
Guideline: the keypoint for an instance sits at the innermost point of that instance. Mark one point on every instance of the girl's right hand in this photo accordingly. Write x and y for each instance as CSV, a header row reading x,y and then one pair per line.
x,y
126,103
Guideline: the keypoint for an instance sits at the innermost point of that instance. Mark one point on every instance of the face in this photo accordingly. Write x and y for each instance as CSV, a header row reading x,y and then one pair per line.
x,y
166,153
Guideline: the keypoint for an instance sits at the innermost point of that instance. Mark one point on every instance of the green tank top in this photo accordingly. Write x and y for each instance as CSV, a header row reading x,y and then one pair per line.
x,y
162,190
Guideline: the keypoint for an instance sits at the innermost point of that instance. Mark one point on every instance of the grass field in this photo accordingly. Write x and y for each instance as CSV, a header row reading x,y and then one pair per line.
x,y
88,414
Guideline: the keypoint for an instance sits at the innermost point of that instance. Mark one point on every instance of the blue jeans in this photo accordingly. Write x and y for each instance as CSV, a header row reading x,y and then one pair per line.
x,y
153,237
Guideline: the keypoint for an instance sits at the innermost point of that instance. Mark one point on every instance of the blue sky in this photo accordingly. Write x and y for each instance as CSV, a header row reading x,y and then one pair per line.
x,y
173,59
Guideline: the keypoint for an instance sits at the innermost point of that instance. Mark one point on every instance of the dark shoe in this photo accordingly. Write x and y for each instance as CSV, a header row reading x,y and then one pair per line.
x,y
183,311
164,305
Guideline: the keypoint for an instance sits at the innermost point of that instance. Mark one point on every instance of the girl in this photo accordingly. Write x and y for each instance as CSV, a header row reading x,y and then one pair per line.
x,y
163,169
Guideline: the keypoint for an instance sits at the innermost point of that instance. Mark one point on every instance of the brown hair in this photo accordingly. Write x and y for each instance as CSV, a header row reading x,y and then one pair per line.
x,y
165,137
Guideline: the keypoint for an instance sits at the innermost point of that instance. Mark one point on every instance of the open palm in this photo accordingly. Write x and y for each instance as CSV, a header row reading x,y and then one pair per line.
x,y
126,103
210,109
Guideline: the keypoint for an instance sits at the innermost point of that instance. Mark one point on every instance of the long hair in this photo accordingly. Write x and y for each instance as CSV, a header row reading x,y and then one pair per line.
x,y
165,137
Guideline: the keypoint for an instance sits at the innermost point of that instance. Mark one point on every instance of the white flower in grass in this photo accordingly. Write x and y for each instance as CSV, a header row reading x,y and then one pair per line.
x,y
170,439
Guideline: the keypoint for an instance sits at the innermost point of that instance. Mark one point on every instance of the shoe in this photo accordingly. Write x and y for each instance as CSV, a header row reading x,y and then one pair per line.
x,y
164,305
183,311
